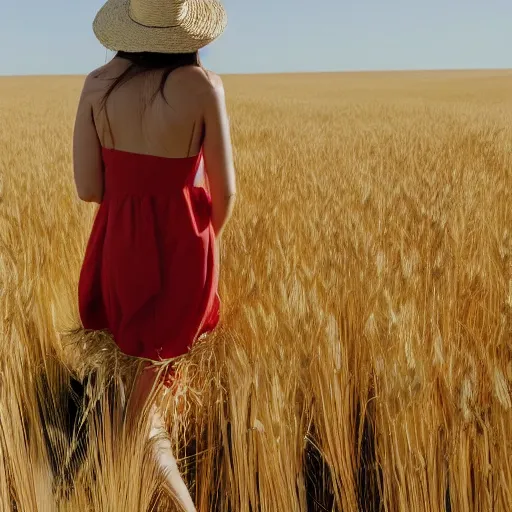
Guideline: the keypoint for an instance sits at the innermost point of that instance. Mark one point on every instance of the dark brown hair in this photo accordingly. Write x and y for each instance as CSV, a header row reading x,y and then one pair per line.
x,y
144,62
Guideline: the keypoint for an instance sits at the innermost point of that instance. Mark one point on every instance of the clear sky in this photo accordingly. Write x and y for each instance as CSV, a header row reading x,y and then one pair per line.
x,y
55,36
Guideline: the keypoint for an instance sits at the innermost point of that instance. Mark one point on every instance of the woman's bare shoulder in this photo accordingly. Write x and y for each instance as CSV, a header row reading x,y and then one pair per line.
x,y
101,77
199,80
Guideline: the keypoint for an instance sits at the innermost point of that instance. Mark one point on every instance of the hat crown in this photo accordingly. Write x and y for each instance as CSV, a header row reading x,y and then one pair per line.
x,y
158,13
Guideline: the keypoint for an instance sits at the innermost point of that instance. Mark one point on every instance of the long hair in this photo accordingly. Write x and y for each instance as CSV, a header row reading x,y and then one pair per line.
x,y
144,62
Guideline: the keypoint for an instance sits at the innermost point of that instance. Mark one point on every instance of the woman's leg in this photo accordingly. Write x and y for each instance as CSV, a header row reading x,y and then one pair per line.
x,y
167,462
162,446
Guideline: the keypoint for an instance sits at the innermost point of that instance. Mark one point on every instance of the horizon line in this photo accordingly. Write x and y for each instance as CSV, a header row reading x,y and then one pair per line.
x,y
346,71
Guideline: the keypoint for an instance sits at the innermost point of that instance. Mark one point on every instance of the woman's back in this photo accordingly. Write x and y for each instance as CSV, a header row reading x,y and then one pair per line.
x,y
177,118
139,119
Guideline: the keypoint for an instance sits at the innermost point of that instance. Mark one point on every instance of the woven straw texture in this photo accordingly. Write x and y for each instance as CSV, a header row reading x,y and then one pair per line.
x,y
165,26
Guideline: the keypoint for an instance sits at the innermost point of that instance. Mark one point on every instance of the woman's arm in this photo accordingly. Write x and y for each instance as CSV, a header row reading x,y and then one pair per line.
x,y
87,160
218,156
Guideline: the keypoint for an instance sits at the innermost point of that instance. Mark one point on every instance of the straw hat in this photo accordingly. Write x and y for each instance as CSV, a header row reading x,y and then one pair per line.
x,y
164,26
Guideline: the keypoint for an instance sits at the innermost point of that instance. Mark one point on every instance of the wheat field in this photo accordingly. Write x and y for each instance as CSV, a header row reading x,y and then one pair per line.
x,y
364,358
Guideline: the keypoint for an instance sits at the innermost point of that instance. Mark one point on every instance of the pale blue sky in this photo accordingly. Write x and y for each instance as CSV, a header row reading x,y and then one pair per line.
x,y
55,36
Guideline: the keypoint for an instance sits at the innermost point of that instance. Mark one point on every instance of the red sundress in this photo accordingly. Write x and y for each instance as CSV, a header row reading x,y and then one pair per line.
x,y
150,272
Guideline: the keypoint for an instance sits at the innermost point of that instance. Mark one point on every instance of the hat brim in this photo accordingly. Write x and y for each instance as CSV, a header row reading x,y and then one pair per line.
x,y
115,29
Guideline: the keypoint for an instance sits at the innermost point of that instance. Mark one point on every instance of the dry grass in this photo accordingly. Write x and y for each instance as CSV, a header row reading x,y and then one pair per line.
x,y
364,360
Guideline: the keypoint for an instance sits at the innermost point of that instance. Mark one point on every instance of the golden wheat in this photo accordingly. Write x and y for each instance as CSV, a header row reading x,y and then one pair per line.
x,y
364,360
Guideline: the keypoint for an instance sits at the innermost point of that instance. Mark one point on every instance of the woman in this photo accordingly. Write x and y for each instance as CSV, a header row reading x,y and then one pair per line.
x,y
146,121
